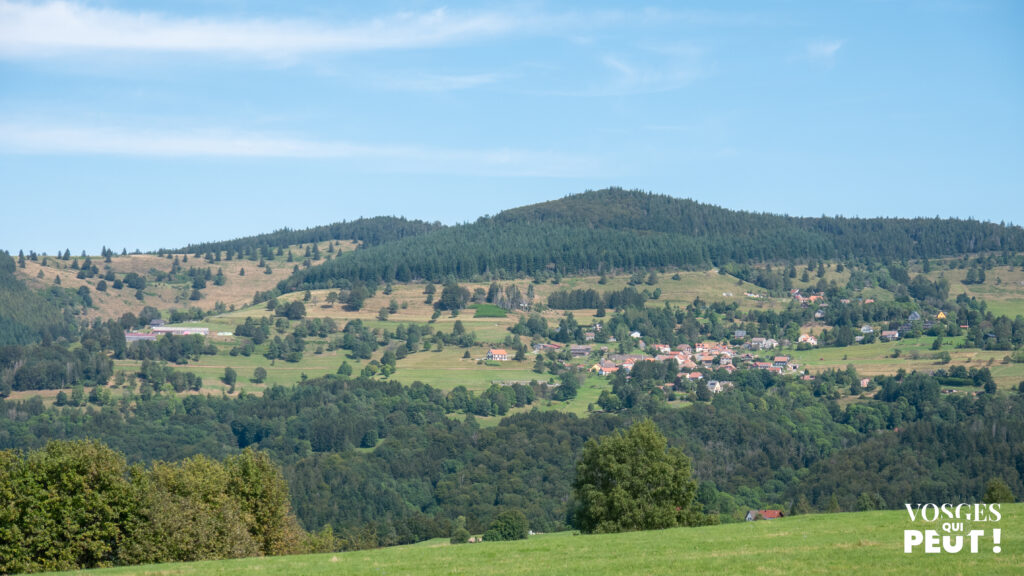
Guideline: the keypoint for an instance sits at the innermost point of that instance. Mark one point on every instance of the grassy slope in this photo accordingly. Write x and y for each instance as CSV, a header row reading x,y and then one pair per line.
x,y
237,291
866,542
915,354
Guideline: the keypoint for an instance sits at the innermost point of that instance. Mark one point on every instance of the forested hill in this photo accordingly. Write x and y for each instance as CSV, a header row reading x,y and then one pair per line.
x,y
26,316
622,229
367,231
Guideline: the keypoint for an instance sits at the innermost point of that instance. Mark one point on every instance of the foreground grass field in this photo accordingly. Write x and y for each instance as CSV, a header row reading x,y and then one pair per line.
x,y
865,542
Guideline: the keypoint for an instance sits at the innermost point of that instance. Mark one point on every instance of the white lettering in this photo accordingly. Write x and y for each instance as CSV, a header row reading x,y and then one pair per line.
x,y
947,510
994,509
973,535
952,544
910,510
911,538
958,506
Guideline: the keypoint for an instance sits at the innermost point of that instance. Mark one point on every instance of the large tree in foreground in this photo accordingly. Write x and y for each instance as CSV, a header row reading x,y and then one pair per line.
x,y
631,481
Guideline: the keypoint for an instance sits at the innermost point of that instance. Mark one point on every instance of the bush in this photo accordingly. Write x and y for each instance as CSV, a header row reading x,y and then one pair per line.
x,y
459,534
509,525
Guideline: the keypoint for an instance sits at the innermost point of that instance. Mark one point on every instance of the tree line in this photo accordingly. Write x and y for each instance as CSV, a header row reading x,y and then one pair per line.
x,y
366,231
75,505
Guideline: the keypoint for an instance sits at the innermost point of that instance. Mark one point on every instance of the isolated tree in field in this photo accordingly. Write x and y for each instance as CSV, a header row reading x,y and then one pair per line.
x,y
230,377
259,375
570,385
295,310
630,480
453,297
539,366
356,297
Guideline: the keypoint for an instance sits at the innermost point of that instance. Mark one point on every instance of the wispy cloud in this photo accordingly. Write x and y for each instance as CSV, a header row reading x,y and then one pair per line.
x,y
52,28
824,50
665,75
415,82
17,138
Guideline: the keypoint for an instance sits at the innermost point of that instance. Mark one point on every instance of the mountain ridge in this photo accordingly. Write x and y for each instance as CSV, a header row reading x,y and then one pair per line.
x,y
630,229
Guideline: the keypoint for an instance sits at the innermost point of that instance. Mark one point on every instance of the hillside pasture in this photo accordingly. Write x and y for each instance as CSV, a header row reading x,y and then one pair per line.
x,y
826,544
877,359
1002,291
237,290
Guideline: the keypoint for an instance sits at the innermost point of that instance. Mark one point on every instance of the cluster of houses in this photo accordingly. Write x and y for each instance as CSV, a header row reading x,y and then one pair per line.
x,y
806,299
157,328
694,362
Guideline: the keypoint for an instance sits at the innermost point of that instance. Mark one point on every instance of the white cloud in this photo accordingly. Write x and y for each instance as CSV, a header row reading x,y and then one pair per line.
x,y
17,138
825,50
32,30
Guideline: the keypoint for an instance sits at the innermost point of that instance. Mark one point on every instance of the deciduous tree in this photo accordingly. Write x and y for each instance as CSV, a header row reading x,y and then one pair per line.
x,y
632,481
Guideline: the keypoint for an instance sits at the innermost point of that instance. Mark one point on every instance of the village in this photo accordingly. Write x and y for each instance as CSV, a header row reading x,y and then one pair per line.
x,y
701,363
694,363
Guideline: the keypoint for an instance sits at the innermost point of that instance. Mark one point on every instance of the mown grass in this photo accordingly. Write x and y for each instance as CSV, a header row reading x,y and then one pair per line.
x,y
488,311
851,543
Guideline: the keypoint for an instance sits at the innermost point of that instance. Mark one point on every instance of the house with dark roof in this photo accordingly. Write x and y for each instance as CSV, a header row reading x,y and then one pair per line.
x,y
579,351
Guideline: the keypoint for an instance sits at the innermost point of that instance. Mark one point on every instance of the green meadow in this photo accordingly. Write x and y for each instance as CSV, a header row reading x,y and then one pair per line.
x,y
849,543
879,358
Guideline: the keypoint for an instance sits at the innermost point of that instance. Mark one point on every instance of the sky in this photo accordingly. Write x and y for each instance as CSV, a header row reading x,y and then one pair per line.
x,y
143,125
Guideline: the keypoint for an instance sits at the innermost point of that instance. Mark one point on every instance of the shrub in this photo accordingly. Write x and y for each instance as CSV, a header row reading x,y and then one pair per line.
x,y
509,525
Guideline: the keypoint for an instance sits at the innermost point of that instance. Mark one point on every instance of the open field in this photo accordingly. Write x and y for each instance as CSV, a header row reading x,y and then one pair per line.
x,y
876,359
237,291
1003,290
863,542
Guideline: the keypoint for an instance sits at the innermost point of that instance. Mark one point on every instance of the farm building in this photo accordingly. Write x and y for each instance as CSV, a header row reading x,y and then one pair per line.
x,y
763,515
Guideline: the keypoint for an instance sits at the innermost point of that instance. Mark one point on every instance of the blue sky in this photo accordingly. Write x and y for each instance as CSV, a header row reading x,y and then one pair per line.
x,y
154,124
